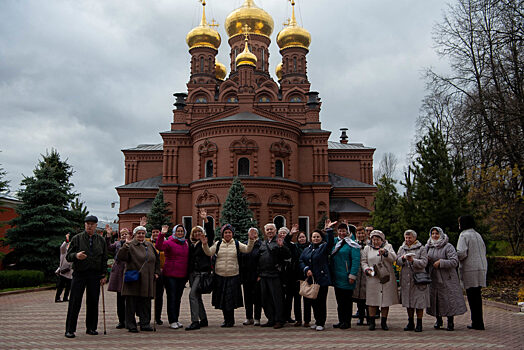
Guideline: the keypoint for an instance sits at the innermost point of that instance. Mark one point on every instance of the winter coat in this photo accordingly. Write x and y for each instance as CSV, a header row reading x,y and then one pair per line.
x,y
378,294
316,258
137,257
248,266
177,256
270,258
198,260
412,295
116,278
344,265
227,258
65,269
360,285
96,261
471,252
290,271
445,289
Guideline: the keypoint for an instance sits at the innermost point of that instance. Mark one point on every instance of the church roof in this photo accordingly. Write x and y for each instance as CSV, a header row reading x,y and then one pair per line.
x,y
341,181
338,145
146,147
344,205
245,116
141,208
151,183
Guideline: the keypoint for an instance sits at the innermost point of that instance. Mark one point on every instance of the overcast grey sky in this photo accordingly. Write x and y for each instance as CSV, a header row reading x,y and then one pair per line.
x,y
90,78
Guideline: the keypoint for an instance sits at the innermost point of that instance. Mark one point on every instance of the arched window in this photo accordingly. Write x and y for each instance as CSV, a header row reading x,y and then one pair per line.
x,y
201,99
232,99
295,99
264,99
243,167
279,168
294,64
209,168
201,64
279,221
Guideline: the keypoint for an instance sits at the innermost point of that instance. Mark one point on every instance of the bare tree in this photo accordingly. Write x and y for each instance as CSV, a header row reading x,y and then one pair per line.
x,y
387,167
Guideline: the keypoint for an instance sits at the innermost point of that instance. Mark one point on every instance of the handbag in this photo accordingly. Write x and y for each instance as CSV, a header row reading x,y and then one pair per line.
x,y
134,275
420,278
309,291
382,272
205,283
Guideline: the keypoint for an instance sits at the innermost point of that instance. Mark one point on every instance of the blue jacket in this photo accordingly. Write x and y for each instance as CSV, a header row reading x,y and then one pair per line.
x,y
316,258
344,264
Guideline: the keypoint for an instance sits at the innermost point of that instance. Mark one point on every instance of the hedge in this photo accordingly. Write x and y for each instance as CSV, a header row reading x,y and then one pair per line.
x,y
506,267
20,278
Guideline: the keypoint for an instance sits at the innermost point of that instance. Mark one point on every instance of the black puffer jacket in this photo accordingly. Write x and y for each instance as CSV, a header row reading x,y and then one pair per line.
x,y
271,257
198,260
248,264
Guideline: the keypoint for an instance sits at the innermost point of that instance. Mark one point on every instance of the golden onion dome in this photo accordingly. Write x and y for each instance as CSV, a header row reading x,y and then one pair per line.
x,y
220,70
246,57
293,35
249,14
278,71
203,35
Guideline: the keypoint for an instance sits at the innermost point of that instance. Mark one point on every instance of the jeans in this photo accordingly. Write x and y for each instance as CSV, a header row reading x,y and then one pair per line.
x,y
174,290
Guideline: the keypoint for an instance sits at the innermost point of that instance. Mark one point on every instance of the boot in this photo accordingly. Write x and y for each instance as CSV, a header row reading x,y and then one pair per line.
x,y
419,325
438,323
451,324
383,323
371,323
360,321
411,324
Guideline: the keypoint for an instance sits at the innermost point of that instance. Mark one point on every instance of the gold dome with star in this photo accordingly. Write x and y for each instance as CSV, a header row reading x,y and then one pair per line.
x,y
203,35
249,14
293,35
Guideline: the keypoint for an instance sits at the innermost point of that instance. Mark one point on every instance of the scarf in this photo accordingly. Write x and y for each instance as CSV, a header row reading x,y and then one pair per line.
x,y
349,241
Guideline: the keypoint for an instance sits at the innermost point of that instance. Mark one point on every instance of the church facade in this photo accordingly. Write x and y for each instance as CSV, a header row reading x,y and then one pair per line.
x,y
247,124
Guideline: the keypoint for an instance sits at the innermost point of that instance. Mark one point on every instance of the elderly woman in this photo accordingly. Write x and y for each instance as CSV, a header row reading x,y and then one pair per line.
x,y
345,263
314,262
199,268
302,243
359,293
412,257
289,275
64,273
379,293
116,278
227,294
139,255
176,252
445,291
471,252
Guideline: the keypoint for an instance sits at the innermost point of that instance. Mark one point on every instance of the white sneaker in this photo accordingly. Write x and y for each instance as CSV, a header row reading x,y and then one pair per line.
x,y
180,325
173,325
319,328
257,323
314,326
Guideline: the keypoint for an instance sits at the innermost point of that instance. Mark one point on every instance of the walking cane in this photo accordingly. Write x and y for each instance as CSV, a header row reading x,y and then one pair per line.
x,y
103,307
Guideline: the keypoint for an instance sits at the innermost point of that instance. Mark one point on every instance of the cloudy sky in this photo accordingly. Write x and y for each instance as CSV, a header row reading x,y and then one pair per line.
x,y
91,77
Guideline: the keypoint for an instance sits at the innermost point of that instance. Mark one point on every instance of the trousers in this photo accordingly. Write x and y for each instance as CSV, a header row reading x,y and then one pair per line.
x,y
89,282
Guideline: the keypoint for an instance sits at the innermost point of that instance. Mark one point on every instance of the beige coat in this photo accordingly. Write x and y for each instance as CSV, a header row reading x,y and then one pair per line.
x,y
227,262
378,294
360,284
412,295
134,254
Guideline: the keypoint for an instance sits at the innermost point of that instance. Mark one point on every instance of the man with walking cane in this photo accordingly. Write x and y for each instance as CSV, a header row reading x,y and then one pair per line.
x,y
88,253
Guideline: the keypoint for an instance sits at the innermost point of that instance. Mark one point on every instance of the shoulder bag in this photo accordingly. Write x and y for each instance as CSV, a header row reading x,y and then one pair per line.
x,y
134,275
420,278
381,271
307,290
205,283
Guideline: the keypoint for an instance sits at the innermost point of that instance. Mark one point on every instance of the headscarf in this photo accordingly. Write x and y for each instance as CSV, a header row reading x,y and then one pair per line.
x,y
173,236
437,243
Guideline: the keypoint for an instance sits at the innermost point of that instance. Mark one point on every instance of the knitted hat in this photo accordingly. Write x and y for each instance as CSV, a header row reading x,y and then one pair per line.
x,y
227,227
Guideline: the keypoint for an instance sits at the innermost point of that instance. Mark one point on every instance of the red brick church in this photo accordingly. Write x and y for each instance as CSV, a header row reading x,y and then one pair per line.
x,y
249,124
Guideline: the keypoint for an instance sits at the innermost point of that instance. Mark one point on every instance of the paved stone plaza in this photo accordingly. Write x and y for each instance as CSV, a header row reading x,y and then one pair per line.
x,y
33,320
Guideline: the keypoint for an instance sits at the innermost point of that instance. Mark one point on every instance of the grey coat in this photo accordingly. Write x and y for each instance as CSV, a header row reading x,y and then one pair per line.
x,y
378,294
445,289
116,278
360,288
471,252
66,268
412,295
134,254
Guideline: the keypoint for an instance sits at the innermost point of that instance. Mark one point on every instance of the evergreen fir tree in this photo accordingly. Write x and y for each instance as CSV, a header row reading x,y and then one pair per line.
x,y
78,214
236,211
386,215
43,216
4,184
159,214
435,191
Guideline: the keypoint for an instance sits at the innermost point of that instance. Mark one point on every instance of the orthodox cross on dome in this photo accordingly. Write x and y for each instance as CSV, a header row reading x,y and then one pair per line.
x,y
213,23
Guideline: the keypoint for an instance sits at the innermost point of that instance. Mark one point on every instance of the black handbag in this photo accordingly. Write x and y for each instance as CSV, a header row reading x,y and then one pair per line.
x,y
420,278
205,283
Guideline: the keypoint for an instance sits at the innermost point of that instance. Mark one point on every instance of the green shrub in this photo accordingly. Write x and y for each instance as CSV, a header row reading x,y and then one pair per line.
x,y
20,278
505,267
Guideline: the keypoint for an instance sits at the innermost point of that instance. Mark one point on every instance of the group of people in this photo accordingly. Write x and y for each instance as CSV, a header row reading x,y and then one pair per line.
x,y
358,263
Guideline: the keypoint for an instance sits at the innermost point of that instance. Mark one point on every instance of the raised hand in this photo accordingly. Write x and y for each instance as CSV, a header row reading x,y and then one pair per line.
x,y
203,215
109,230
329,224
203,239
294,229
143,221
165,228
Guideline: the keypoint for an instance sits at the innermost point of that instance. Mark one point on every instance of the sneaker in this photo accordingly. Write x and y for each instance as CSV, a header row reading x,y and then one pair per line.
x,y
256,323
319,328
313,326
174,325
248,322
180,325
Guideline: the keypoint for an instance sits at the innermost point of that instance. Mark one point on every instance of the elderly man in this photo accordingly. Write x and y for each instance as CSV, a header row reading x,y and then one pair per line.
x,y
271,255
88,253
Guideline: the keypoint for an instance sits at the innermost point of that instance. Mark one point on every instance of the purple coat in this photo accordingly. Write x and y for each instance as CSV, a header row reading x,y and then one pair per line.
x,y
116,278
177,256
